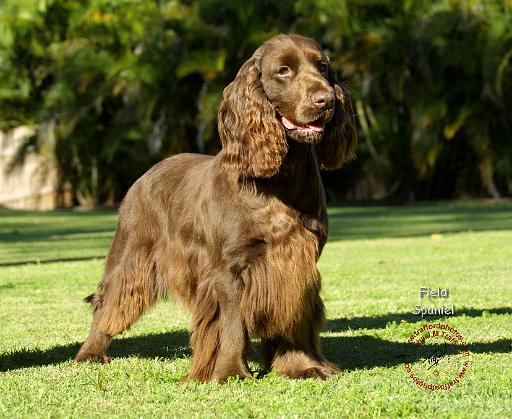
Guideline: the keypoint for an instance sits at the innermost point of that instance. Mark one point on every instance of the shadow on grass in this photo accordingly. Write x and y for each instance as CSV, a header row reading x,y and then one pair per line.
x,y
168,345
54,233
365,352
50,260
356,352
349,353
348,223
380,322
44,231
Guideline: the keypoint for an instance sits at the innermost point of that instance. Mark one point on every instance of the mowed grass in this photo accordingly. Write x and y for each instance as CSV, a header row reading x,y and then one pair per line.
x,y
372,268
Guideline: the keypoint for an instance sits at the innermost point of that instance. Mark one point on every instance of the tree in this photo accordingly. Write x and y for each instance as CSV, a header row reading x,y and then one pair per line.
x,y
115,86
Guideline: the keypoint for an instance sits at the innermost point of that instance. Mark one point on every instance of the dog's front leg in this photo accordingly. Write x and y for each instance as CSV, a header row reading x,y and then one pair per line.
x,y
296,353
219,338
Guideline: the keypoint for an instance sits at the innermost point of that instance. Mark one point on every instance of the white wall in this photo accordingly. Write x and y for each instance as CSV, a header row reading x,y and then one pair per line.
x,y
31,186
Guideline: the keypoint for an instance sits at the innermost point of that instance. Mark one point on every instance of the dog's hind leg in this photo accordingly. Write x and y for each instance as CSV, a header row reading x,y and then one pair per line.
x,y
95,347
126,291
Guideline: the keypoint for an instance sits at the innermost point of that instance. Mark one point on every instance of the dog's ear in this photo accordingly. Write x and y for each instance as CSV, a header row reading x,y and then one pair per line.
x,y
340,139
253,140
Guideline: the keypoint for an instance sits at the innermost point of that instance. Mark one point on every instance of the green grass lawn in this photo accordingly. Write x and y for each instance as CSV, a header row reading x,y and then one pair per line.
x,y
372,268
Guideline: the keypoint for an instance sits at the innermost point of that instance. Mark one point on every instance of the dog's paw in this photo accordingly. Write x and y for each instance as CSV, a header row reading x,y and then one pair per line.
x,y
101,359
220,375
322,372
225,376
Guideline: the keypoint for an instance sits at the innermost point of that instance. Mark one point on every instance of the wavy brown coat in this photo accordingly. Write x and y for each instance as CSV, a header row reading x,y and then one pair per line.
x,y
236,236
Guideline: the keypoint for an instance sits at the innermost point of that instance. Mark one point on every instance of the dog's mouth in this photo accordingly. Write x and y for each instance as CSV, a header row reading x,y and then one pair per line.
x,y
316,126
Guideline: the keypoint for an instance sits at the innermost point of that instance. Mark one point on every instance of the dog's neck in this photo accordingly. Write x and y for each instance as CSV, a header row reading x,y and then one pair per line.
x,y
298,162
298,178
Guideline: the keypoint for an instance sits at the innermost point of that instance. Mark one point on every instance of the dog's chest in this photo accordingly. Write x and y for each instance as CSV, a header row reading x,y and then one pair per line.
x,y
278,284
291,250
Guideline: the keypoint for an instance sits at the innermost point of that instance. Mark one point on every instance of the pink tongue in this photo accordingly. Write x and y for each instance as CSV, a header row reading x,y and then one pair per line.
x,y
307,128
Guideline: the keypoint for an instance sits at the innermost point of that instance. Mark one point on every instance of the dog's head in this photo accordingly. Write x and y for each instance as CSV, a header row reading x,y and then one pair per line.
x,y
286,91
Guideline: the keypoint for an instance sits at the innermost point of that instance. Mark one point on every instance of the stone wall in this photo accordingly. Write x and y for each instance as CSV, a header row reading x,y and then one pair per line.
x,y
33,185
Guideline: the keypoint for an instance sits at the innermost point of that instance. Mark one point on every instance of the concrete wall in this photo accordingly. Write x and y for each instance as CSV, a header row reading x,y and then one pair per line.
x,y
31,186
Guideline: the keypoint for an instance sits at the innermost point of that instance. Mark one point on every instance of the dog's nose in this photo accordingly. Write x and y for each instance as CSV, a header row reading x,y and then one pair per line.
x,y
323,99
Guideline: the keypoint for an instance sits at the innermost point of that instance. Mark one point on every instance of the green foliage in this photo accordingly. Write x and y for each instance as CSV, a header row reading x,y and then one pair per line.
x,y
115,86
433,82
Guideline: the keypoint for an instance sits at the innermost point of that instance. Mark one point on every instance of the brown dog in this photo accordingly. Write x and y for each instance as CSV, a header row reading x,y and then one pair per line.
x,y
236,236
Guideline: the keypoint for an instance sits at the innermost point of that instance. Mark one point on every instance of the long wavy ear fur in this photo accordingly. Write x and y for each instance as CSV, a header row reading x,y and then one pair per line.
x,y
340,139
253,140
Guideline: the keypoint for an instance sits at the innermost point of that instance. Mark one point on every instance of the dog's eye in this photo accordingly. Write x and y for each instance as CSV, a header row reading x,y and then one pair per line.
x,y
284,71
322,66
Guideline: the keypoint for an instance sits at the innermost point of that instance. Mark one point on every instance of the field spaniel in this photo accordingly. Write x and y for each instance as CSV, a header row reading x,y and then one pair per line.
x,y
236,236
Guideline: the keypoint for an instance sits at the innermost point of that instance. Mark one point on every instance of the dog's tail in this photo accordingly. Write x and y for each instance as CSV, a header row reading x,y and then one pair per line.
x,y
89,298
96,300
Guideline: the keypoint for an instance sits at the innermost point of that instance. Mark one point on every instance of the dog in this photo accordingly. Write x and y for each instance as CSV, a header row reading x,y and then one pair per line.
x,y
235,237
